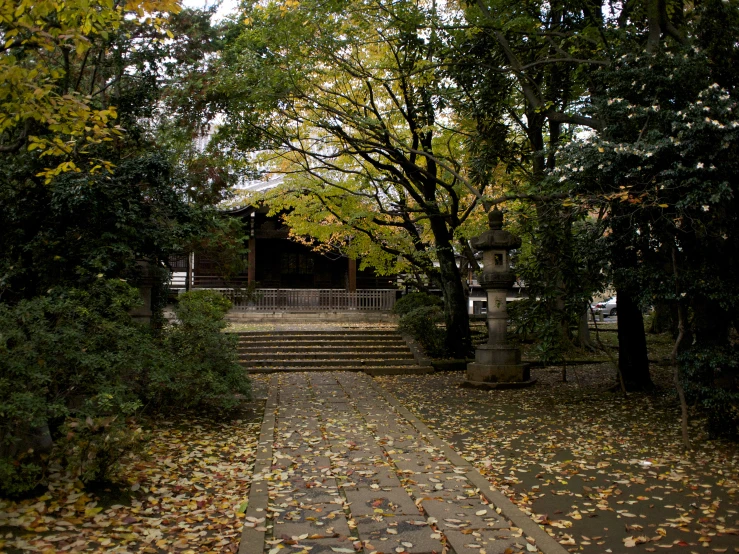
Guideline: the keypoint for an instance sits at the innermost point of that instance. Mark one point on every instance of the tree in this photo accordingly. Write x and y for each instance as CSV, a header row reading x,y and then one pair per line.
x,y
547,51
113,203
664,166
56,81
74,366
350,102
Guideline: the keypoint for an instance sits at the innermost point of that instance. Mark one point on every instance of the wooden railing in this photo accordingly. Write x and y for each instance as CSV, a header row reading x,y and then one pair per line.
x,y
311,300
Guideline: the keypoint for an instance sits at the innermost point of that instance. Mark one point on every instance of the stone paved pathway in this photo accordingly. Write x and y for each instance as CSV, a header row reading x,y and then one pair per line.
x,y
343,468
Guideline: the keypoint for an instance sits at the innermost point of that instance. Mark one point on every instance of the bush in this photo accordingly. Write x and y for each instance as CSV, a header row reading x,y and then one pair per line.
x,y
57,352
75,369
710,377
91,446
203,307
415,300
204,371
422,324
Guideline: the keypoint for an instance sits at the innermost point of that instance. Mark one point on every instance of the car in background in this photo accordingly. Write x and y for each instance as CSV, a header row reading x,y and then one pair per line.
x,y
607,307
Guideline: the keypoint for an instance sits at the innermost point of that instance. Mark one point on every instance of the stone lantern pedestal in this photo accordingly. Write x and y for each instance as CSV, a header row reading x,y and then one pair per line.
x,y
497,364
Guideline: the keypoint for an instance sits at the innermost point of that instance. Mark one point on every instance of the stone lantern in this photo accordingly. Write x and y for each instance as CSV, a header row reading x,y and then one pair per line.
x,y
497,364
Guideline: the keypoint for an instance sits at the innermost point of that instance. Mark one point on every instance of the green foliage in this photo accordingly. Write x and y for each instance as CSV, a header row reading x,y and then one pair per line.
x,y
74,364
55,103
118,202
562,266
206,373
90,189
223,241
56,353
203,307
18,477
349,101
90,225
92,446
415,300
423,325
709,378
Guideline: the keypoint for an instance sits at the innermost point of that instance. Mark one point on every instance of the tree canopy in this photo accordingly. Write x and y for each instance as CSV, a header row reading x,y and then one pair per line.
x,y
353,104
60,87
96,197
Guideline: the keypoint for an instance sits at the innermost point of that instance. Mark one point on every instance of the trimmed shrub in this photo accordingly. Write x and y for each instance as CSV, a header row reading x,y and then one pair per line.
x,y
91,446
422,324
415,300
710,377
206,372
56,353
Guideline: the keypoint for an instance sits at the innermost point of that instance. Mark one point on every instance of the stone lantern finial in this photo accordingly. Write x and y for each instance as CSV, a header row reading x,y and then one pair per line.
x,y
495,219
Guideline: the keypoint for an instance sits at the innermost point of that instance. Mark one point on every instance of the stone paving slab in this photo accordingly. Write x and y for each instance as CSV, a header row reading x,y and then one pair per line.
x,y
343,468
319,521
368,476
435,481
319,546
492,542
412,535
308,497
392,502
462,514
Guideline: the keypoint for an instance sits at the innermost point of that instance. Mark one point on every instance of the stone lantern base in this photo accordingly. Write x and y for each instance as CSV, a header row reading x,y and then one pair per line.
x,y
498,366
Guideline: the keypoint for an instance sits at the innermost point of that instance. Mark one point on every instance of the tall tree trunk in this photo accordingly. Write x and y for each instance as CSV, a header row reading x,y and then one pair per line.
x,y
673,358
455,304
459,341
633,362
550,240
711,323
665,318
583,329
654,16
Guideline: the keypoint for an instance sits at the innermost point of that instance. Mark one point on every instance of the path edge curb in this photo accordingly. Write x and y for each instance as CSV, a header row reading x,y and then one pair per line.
x,y
545,543
252,541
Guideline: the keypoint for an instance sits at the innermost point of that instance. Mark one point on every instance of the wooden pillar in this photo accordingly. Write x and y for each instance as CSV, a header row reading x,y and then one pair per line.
x,y
352,275
190,270
251,270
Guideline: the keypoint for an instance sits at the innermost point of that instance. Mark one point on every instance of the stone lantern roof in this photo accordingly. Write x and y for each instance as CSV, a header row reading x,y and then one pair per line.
x,y
495,238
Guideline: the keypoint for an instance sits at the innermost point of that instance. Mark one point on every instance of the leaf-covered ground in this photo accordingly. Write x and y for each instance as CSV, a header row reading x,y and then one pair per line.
x,y
185,492
600,472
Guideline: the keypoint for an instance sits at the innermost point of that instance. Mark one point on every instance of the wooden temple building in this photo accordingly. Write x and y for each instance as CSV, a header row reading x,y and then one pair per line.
x,y
285,275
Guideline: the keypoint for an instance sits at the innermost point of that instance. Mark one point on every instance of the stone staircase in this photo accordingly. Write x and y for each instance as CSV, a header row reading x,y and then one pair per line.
x,y
376,352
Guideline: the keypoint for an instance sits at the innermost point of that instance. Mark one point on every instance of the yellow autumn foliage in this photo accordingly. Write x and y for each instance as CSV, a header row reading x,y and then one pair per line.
x,y
39,41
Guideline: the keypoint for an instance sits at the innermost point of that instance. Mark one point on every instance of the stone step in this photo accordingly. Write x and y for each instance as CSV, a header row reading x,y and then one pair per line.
x,y
322,355
376,352
322,347
339,332
330,362
370,370
317,318
398,370
320,342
